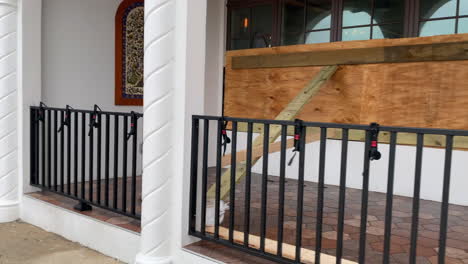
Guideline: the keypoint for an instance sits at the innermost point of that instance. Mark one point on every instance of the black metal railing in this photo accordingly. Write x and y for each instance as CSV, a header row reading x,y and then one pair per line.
x,y
84,155
206,207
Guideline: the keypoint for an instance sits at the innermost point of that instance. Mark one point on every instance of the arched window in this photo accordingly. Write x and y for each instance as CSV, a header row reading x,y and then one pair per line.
x,y
129,51
443,17
264,23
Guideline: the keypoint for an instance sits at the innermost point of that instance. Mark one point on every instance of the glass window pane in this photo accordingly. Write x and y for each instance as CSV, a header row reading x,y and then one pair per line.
x,y
292,38
463,7
318,14
389,11
237,44
240,23
356,12
262,20
361,33
438,8
293,22
437,27
318,37
387,31
463,25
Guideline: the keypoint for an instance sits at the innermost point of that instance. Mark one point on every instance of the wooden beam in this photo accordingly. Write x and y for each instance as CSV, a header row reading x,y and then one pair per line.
x,y
271,246
289,113
452,51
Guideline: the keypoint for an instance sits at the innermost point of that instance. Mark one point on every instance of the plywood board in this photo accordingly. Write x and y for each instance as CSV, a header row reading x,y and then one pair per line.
x,y
416,94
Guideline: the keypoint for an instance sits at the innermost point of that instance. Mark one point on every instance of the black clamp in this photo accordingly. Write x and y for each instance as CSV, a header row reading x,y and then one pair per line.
x,y
41,114
94,122
298,124
133,124
67,120
374,153
225,139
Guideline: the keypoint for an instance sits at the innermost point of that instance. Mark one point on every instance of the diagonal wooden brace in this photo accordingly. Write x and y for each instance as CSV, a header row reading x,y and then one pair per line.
x,y
289,113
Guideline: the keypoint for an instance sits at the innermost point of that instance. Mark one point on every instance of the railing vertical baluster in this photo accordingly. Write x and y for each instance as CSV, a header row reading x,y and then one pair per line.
x,y
91,157
321,188
266,141
416,197
300,193
49,149
282,180
445,199
68,117
106,171
83,155
98,159
193,175
218,176
342,195
55,151
364,199
124,164
62,154
204,175
43,148
134,163
116,160
389,202
232,194
248,179
75,149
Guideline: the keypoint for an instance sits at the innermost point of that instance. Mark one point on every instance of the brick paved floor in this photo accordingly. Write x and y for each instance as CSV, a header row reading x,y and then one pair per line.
x,y
429,220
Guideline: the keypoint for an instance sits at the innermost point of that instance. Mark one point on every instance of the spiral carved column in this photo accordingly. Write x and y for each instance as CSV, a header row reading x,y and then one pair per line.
x,y
157,132
9,206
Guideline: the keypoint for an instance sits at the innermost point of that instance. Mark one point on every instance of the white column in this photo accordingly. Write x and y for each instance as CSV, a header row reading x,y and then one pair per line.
x,y
9,205
158,132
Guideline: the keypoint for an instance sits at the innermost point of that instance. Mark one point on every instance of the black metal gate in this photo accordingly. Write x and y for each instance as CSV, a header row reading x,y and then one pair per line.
x,y
237,232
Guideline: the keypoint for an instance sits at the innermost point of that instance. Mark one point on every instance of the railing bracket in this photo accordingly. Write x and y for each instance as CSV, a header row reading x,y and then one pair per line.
x,y
82,206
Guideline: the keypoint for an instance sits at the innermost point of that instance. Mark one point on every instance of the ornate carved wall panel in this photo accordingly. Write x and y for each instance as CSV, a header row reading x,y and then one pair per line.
x,y
129,51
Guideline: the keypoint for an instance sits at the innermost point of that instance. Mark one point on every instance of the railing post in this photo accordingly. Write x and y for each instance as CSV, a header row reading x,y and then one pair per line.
x,y
193,175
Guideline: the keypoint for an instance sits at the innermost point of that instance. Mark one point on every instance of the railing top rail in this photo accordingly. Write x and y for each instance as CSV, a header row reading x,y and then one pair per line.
x,y
416,130
87,111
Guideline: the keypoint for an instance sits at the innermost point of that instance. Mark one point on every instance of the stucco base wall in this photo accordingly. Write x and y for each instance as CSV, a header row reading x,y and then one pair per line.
x,y
105,238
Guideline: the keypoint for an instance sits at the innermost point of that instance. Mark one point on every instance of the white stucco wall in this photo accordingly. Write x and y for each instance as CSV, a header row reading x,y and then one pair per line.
x,y
29,79
78,63
78,54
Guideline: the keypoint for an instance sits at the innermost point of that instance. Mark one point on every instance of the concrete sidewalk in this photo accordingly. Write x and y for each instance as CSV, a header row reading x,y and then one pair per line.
x,y
24,243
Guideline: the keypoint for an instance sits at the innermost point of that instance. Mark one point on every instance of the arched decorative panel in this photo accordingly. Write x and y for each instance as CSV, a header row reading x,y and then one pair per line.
x,y
129,51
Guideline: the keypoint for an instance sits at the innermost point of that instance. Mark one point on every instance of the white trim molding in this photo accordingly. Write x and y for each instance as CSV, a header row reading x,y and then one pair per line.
x,y
9,201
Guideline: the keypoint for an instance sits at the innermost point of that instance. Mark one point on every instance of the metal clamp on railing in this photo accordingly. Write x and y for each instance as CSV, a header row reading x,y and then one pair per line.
x,y
297,137
93,122
374,153
41,113
133,124
66,121
225,138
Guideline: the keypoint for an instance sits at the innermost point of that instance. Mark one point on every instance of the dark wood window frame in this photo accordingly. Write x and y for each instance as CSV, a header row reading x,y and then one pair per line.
x,y
411,18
